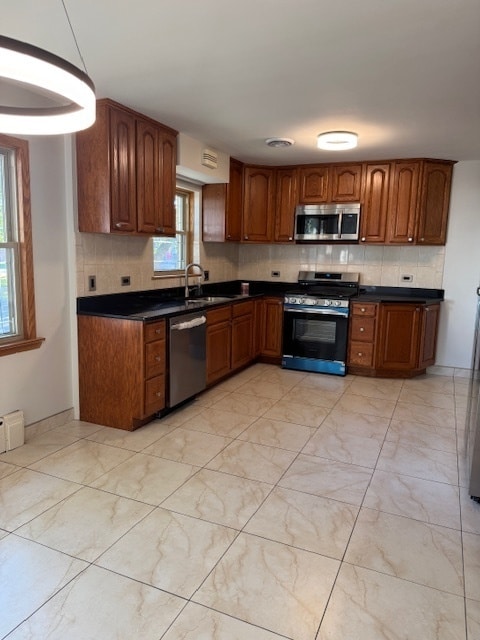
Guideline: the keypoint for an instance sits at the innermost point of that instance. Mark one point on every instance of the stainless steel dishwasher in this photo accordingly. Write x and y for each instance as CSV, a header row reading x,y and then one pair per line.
x,y
187,353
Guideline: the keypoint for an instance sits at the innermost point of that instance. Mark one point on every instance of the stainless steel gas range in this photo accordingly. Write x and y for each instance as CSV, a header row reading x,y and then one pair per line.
x,y
315,331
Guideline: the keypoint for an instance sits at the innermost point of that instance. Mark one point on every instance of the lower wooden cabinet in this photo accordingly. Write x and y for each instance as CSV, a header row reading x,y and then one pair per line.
x,y
230,339
392,339
121,370
270,329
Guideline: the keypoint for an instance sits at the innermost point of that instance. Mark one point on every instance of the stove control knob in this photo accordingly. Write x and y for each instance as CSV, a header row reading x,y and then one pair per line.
x,y
327,303
337,303
310,301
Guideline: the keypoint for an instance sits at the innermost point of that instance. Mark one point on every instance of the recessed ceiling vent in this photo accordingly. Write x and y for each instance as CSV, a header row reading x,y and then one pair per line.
x,y
209,158
279,142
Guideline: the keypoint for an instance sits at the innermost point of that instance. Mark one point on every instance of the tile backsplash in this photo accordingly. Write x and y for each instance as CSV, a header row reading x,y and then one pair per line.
x,y
110,257
377,265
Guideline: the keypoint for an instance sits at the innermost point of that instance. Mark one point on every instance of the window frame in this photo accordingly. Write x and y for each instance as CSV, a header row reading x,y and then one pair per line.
x,y
189,235
27,338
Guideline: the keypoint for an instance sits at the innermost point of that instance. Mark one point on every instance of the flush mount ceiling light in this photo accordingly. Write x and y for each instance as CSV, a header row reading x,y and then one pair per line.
x,y
279,142
337,140
71,90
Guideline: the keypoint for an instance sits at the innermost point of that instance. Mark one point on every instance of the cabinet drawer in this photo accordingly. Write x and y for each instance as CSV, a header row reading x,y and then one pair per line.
x,y
361,353
223,314
155,331
362,329
154,395
154,358
365,309
242,308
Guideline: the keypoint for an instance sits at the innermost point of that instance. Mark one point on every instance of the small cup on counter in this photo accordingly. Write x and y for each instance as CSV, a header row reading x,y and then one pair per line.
x,y
244,288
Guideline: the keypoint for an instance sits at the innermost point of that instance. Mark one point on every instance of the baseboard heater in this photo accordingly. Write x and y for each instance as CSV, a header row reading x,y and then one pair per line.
x,y
12,430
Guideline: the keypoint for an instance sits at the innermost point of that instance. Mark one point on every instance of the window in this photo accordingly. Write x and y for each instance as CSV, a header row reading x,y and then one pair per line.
x,y
171,255
17,300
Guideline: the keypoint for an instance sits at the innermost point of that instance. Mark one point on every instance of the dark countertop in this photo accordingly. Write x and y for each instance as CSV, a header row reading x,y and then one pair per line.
x,y
164,303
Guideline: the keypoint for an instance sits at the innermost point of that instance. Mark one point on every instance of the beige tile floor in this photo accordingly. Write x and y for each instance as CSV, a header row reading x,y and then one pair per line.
x,y
278,505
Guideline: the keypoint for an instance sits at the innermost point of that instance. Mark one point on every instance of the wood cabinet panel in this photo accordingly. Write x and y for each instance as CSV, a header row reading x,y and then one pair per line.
x,y
346,183
148,184
428,335
403,202
271,327
154,395
233,227
313,184
167,180
222,207
123,175
434,203
399,327
242,340
361,354
219,340
286,200
375,206
259,185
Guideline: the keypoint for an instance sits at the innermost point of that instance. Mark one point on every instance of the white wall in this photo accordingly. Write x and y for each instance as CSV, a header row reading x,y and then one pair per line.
x,y
40,381
462,268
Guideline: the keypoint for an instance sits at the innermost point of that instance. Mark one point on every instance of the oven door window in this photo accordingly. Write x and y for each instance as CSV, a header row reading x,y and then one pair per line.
x,y
317,336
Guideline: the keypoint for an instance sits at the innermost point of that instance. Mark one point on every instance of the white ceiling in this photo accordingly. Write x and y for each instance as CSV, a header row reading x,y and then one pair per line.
x,y
403,74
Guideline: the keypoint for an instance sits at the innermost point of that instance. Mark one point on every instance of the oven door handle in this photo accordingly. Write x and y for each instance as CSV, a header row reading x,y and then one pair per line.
x,y
323,312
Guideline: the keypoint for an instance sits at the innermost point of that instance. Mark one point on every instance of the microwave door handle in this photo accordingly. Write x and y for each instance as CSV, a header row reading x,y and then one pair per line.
x,y
340,216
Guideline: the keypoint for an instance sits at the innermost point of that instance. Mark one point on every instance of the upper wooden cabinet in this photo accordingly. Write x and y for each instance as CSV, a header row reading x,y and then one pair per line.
x,y
126,173
285,203
258,204
375,203
313,184
406,202
222,207
330,183
403,201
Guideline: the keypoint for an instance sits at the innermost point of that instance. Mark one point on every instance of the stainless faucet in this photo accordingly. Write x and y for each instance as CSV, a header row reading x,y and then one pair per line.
x,y
201,274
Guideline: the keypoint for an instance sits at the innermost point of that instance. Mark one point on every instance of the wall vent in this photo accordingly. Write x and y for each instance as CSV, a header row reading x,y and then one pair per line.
x,y
209,158
12,430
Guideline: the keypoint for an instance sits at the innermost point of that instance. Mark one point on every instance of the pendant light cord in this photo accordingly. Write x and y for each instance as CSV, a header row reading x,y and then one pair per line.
x,y
74,37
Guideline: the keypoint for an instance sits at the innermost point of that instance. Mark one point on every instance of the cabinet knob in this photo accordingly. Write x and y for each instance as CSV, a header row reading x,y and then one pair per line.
x,y
160,229
363,239
158,358
360,354
410,239
245,237
362,329
229,236
363,309
417,309
158,330
159,394
121,225
422,239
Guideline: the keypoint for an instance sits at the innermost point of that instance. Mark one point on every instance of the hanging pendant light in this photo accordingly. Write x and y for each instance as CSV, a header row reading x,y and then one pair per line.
x,y
40,71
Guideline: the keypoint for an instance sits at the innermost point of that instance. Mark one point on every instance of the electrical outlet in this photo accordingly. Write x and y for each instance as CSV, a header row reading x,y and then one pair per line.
x,y
92,283
407,277
206,275
125,281
275,274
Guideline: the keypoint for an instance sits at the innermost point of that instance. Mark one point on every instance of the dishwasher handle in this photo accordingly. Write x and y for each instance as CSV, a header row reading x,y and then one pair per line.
x,y
189,324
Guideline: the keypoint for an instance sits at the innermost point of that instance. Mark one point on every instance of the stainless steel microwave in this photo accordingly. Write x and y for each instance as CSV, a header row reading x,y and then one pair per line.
x,y
327,222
